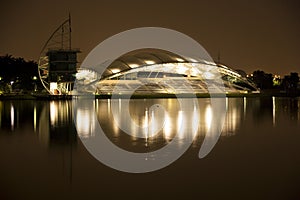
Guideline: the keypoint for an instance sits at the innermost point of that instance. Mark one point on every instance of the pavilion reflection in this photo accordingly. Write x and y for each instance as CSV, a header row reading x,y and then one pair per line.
x,y
236,113
175,120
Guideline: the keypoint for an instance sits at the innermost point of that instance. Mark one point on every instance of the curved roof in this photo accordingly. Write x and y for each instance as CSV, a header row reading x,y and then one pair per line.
x,y
141,57
160,71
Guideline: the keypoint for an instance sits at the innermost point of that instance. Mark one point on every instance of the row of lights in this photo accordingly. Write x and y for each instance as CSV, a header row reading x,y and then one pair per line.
x,y
148,62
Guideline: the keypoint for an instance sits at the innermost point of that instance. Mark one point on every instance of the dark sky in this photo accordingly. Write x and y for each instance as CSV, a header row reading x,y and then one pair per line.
x,y
250,35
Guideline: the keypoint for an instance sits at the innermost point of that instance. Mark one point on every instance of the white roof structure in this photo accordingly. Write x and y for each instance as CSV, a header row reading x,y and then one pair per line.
x,y
149,71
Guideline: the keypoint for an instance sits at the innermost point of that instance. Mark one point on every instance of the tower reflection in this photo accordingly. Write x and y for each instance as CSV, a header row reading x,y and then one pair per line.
x,y
56,125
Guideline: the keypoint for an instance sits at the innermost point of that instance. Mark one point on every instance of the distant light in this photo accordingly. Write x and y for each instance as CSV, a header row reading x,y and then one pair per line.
x,y
34,78
179,59
0,78
12,82
133,65
149,62
115,70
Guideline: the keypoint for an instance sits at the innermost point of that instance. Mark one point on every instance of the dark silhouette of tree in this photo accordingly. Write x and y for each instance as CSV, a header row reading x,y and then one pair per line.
x,y
290,83
262,80
18,74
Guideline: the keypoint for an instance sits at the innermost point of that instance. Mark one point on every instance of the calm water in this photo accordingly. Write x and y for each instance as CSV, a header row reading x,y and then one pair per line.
x,y
256,157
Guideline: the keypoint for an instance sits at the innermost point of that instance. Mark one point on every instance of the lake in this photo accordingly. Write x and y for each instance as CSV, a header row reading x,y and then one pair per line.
x,y
256,157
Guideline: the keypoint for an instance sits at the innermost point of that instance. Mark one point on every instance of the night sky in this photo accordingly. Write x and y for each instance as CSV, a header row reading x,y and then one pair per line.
x,y
249,35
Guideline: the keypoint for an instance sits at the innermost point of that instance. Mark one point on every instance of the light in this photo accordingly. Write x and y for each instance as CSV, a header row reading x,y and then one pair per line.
x,y
133,65
149,62
34,78
0,78
12,82
193,60
179,59
181,68
115,70
53,86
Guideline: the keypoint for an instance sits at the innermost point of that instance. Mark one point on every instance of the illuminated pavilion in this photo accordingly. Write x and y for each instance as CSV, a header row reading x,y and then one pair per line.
x,y
153,71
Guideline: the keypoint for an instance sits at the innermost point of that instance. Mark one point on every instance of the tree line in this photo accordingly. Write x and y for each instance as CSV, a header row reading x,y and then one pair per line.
x,y
17,74
267,81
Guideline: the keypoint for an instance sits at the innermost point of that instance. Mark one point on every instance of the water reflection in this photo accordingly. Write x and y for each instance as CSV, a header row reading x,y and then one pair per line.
x,y
56,126
236,113
175,120
258,148
53,120
12,117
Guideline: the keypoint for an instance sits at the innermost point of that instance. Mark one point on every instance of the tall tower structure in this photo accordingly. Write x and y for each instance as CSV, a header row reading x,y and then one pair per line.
x,y
58,61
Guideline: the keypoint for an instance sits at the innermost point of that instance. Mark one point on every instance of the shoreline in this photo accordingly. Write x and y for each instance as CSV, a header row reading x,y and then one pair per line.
x,y
142,96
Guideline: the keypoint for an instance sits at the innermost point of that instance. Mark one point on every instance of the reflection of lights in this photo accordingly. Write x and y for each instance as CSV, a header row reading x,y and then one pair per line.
x,y
108,107
179,120
233,116
12,116
180,124
34,118
85,123
245,106
274,110
195,122
53,113
208,117
226,103
154,125
167,126
149,62
146,123
0,114
234,119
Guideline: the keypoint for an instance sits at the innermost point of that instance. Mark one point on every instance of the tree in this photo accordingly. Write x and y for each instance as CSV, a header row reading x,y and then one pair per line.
x,y
18,73
262,80
290,83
